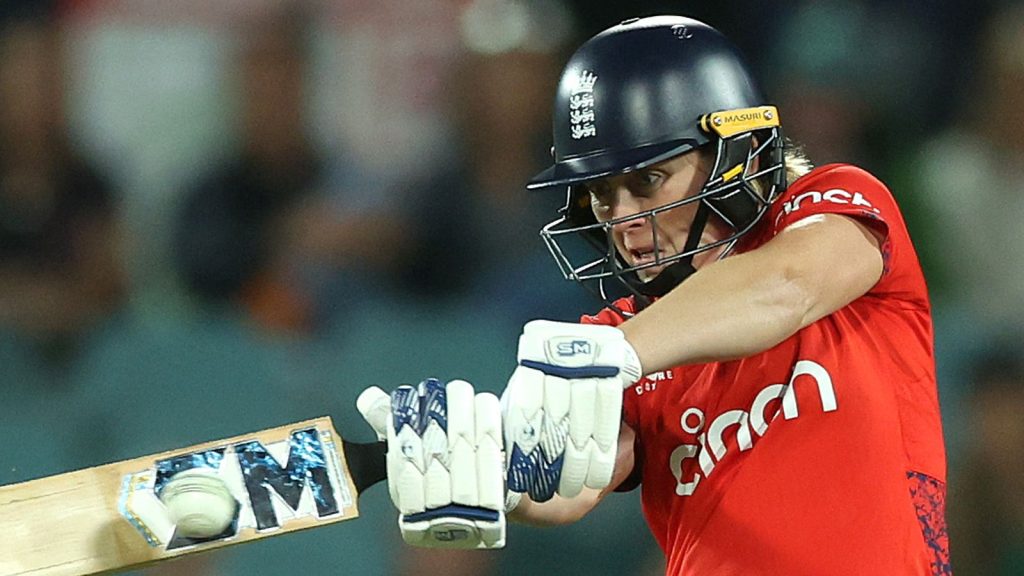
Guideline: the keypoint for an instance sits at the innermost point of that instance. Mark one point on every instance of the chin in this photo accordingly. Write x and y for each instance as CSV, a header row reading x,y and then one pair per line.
x,y
648,274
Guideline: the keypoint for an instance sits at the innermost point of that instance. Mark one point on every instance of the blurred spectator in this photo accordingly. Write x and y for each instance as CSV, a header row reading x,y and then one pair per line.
x,y
379,93
987,504
854,75
483,224
60,270
269,231
973,177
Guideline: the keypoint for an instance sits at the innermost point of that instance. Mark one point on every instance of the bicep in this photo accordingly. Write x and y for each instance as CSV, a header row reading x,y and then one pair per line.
x,y
835,259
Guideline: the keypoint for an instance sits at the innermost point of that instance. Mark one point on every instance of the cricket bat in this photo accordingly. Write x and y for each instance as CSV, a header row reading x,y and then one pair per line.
x,y
110,518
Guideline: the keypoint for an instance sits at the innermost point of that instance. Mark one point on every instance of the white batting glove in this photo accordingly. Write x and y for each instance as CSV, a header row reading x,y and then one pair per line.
x,y
445,462
563,407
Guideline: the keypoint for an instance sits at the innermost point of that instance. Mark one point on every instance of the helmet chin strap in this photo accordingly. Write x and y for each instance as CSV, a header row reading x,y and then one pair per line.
x,y
668,278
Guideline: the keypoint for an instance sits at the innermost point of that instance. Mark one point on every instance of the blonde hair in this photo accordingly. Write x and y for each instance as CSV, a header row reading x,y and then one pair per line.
x,y
797,162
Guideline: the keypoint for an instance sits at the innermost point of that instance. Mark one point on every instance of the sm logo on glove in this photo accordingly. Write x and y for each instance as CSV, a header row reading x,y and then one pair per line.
x,y
573,348
569,351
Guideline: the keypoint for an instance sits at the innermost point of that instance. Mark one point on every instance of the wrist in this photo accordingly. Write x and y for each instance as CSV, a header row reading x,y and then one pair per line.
x,y
632,370
573,350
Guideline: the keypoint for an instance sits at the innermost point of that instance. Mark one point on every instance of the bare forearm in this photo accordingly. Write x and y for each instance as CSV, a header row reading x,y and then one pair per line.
x,y
555,512
748,303
424,562
709,319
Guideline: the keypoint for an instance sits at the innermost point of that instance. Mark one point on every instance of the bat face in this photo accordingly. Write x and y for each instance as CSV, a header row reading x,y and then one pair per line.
x,y
274,481
111,518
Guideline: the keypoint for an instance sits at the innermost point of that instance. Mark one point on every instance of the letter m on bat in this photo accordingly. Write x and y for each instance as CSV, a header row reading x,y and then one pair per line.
x,y
307,465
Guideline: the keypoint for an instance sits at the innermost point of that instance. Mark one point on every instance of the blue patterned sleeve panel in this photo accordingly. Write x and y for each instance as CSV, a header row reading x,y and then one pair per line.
x,y
929,497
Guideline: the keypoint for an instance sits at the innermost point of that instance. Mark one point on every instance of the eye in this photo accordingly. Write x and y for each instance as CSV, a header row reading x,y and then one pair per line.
x,y
646,182
649,180
600,197
599,191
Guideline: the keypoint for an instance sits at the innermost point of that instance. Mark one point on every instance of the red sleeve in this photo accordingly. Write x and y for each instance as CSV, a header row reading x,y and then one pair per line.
x,y
839,189
852,191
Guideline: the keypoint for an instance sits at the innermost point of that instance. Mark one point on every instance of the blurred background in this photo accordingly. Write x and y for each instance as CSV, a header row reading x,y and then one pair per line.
x,y
221,216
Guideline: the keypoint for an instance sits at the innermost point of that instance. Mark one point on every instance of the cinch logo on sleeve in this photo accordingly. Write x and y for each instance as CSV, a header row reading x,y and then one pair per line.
x,y
835,196
709,447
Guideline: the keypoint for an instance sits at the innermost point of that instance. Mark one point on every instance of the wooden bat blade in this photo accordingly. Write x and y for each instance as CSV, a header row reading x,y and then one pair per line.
x,y
109,518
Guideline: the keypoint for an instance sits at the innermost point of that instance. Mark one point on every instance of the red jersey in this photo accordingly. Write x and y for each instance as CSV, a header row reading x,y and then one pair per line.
x,y
822,455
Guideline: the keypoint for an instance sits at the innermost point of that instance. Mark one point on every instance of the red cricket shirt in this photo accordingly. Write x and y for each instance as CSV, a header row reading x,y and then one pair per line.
x,y
821,456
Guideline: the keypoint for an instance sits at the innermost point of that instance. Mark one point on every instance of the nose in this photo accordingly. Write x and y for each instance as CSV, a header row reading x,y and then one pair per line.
x,y
625,205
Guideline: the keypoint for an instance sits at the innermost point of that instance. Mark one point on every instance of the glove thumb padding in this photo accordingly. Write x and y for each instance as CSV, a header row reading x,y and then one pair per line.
x,y
375,406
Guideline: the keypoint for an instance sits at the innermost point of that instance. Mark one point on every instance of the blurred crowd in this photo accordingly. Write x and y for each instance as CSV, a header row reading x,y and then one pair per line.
x,y
222,216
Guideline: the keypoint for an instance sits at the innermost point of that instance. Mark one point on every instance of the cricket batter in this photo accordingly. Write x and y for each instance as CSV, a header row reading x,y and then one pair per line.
x,y
768,379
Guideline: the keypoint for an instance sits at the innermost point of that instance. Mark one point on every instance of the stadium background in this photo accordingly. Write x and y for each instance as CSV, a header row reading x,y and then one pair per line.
x,y
219,216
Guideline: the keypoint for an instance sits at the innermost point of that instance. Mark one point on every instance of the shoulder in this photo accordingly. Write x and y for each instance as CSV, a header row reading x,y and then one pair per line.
x,y
856,193
839,184
835,188
835,171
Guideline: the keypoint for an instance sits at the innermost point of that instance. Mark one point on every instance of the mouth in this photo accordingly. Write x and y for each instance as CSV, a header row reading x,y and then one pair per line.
x,y
645,256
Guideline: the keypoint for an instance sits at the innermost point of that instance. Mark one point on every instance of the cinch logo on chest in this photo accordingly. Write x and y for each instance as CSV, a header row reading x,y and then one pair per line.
x,y
710,448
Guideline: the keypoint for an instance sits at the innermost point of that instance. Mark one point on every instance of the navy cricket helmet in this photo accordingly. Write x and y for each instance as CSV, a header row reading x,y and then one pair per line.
x,y
642,92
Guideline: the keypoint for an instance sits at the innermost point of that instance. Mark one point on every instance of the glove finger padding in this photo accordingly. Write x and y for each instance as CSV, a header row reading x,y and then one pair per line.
x,y
462,444
578,447
375,406
406,462
445,464
536,440
563,407
489,454
607,422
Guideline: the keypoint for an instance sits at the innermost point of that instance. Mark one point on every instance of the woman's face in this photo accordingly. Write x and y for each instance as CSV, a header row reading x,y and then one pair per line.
x,y
628,194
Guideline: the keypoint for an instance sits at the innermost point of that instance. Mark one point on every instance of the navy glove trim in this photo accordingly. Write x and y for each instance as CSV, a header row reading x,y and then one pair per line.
x,y
572,373
457,511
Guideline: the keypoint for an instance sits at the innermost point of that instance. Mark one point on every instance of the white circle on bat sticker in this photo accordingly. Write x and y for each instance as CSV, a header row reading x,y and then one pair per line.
x,y
199,503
